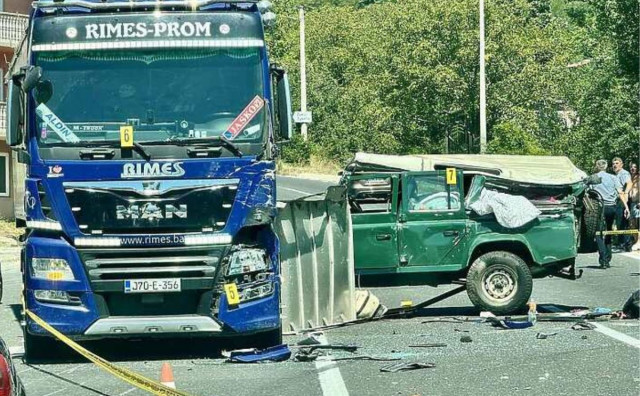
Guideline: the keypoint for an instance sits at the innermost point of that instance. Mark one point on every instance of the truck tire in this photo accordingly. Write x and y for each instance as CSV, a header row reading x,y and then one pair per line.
x,y
499,282
38,348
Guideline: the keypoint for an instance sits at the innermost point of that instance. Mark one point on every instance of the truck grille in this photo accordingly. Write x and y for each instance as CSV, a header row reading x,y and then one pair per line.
x,y
196,267
159,206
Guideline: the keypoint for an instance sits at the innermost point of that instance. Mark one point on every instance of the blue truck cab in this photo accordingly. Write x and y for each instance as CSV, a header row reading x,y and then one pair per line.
x,y
148,131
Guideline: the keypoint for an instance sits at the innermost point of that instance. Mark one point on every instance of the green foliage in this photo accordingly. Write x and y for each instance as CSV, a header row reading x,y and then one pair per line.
x,y
402,76
297,151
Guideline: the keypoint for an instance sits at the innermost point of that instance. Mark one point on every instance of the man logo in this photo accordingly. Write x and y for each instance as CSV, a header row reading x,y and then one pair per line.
x,y
155,169
151,211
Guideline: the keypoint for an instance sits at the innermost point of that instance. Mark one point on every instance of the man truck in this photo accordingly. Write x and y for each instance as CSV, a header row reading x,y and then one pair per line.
x,y
148,132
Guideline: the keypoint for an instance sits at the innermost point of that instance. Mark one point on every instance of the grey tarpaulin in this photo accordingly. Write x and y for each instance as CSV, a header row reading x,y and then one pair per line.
x,y
511,211
316,256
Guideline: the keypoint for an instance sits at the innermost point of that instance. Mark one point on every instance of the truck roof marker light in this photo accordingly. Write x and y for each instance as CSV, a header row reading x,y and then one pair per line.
x,y
213,239
44,225
97,242
222,43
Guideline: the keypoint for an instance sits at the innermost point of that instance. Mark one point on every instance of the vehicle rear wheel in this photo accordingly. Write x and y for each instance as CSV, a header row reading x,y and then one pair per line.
x,y
499,282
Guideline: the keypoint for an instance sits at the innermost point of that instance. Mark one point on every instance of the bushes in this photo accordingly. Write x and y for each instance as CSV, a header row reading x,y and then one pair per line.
x,y
397,77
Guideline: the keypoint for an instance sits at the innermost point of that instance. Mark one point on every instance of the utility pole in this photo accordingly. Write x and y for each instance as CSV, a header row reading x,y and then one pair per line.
x,y
303,74
483,93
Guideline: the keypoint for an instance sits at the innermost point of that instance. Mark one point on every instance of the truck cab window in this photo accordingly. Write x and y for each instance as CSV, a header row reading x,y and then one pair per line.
x,y
430,193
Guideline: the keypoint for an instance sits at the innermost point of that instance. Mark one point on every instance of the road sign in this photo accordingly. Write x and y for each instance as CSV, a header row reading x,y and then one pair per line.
x,y
302,117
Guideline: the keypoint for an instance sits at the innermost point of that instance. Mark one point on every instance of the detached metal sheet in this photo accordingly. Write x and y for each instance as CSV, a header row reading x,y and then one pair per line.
x,y
316,255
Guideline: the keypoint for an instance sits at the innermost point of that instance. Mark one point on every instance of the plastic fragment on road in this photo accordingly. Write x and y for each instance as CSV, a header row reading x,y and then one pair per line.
x,y
544,336
465,339
312,339
368,305
582,326
510,324
395,367
278,353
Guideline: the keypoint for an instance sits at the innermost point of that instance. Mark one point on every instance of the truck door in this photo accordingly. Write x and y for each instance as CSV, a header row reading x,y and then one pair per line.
x,y
374,208
433,224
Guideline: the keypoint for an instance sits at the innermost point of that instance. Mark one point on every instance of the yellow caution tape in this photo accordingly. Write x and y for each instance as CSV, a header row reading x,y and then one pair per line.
x,y
621,232
124,374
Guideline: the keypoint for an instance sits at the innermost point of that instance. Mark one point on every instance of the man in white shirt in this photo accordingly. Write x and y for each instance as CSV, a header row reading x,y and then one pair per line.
x,y
622,221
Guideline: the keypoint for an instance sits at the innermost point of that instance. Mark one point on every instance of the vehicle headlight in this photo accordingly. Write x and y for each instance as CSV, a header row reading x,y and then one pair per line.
x,y
255,292
247,260
53,269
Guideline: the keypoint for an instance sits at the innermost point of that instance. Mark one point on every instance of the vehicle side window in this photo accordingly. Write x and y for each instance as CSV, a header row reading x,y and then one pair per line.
x,y
429,193
370,195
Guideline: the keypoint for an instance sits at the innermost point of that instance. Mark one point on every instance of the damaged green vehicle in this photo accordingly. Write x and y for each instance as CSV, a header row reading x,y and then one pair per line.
x,y
493,223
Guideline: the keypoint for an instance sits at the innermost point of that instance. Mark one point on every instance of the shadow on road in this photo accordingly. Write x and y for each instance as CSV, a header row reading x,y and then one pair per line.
x,y
114,350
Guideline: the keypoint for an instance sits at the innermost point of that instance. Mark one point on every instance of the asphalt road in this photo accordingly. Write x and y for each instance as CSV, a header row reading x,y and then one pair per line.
x,y
290,188
603,362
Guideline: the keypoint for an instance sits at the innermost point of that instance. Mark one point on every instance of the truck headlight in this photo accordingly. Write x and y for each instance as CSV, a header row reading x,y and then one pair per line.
x,y
255,292
53,269
245,261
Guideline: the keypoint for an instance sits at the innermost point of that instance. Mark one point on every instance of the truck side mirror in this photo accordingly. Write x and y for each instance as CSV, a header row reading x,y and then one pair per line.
x,y
283,106
14,113
31,78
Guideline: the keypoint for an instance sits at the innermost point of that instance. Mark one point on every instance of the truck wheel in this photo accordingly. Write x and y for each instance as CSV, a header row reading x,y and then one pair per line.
x,y
499,282
38,348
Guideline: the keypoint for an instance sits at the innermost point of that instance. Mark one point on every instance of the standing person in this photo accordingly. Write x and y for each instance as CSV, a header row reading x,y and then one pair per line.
x,y
610,189
634,204
622,222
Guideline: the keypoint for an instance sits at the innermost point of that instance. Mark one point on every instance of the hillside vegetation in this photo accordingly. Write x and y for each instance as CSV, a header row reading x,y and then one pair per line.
x,y
402,76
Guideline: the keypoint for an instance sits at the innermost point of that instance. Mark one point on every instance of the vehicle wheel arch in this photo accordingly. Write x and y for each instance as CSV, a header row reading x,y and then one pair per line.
x,y
516,246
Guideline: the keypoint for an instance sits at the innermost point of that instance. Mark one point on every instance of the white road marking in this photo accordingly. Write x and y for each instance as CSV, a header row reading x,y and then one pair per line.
x,y
633,255
127,391
600,328
298,191
329,375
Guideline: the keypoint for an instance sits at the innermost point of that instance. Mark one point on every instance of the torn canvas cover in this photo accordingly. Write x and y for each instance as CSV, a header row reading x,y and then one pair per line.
x,y
511,211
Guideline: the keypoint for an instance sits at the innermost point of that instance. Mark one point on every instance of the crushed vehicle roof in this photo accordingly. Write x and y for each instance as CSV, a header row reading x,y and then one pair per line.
x,y
550,170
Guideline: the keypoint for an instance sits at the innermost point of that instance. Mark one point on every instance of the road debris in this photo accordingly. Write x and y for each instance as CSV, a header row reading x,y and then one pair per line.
x,y
395,367
277,353
466,338
434,345
509,324
544,336
583,326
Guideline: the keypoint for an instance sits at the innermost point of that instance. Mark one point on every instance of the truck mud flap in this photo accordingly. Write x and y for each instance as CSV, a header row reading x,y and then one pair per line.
x,y
316,258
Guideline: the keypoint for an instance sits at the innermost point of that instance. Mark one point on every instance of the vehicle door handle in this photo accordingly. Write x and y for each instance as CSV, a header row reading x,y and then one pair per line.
x,y
451,233
383,237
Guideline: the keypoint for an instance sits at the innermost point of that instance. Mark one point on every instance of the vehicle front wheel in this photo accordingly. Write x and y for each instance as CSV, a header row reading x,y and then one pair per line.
x,y
499,282
39,348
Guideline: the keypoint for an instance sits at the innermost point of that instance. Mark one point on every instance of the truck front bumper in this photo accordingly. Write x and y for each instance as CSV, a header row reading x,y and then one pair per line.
x,y
102,309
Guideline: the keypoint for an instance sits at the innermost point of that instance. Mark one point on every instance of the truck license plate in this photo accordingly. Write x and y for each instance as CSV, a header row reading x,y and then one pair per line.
x,y
152,285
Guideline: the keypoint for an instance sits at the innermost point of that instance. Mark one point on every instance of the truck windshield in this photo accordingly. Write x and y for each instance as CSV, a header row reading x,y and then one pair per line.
x,y
166,95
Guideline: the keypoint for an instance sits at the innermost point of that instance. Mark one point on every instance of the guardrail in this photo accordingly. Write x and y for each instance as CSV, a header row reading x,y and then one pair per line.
x,y
12,28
